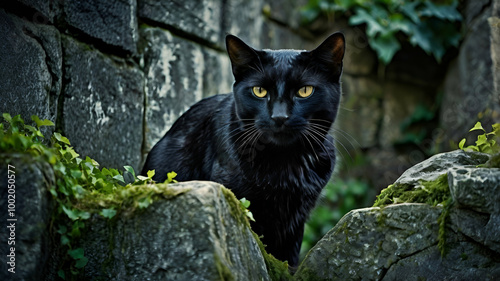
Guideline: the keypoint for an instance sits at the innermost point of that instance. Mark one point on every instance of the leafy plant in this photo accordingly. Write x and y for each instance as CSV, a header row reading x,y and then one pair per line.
x,y
430,26
487,142
81,189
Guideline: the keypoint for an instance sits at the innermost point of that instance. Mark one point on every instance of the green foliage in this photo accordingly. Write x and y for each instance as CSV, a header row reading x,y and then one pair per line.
x,y
431,26
81,189
487,142
244,207
340,197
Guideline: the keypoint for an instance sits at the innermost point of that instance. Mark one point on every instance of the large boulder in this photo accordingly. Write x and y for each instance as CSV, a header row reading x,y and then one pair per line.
x,y
416,241
197,235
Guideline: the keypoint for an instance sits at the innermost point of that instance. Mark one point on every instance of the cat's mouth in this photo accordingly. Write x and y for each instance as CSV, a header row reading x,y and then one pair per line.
x,y
281,136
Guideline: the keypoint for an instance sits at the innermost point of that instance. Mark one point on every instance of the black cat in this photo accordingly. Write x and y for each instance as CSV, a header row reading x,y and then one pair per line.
x,y
267,141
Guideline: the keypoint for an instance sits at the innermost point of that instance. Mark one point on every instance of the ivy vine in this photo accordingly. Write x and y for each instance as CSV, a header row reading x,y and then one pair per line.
x,y
433,26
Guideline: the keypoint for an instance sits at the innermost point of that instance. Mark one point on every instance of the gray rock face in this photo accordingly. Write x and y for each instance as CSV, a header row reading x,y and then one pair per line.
x,y
478,189
30,67
470,85
194,236
32,213
103,106
439,164
113,22
178,74
201,19
400,242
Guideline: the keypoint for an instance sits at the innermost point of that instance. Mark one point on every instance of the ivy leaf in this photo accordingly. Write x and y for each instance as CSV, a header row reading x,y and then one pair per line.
x,y
171,176
60,138
76,253
108,213
151,174
385,46
7,117
40,123
478,126
373,27
409,10
130,170
81,262
120,180
245,203
445,12
61,274
72,214
128,177
461,144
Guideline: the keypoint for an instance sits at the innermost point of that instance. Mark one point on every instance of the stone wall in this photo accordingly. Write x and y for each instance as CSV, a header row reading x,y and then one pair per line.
x,y
114,77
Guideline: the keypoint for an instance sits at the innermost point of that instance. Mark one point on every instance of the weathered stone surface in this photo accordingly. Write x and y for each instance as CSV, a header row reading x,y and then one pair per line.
x,y
465,261
439,164
399,102
113,22
46,9
286,12
400,242
30,67
275,36
201,19
194,236
366,242
478,189
469,86
32,207
178,74
103,106
361,111
244,19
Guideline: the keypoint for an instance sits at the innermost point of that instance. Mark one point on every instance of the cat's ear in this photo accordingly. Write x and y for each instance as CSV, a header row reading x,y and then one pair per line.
x,y
240,54
331,52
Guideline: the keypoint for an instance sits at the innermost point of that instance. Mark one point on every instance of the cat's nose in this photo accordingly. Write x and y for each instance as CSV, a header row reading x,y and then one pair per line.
x,y
279,113
279,119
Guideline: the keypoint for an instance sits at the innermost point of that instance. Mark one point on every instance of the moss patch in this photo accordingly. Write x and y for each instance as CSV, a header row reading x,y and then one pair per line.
x,y
429,192
277,270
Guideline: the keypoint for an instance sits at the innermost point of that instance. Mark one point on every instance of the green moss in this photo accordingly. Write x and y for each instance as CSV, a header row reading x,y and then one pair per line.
x,y
277,270
443,220
225,273
429,192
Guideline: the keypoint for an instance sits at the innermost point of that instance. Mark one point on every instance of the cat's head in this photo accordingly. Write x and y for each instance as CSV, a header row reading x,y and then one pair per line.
x,y
287,95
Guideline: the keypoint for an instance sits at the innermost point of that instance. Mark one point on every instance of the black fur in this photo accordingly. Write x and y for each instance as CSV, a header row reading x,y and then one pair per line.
x,y
274,151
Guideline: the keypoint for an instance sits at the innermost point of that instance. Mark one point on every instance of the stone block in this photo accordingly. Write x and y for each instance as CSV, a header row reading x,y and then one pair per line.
x,y
361,111
112,22
197,235
244,19
469,86
399,102
32,207
200,19
46,11
103,106
30,68
285,12
275,36
178,74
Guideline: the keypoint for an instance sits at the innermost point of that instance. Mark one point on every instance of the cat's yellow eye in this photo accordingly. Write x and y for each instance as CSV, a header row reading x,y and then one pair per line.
x,y
259,92
305,91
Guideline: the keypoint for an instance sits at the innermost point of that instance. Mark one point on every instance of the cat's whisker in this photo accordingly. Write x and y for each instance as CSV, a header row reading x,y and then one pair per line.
x,y
312,147
312,133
